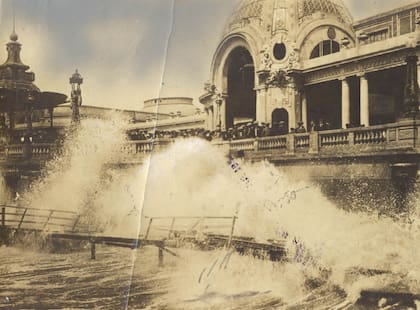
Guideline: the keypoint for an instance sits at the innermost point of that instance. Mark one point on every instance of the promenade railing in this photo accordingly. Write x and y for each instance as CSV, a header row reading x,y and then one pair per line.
x,y
378,138
19,217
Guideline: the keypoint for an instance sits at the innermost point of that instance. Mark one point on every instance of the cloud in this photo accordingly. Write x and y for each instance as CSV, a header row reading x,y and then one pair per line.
x,y
115,39
110,76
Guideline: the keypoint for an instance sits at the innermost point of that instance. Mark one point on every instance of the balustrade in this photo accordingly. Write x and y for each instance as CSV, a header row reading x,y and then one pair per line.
x,y
14,150
334,139
340,141
270,143
144,147
242,145
370,136
302,141
41,149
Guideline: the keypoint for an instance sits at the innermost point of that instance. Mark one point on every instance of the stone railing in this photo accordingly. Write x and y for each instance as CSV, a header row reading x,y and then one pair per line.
x,y
302,141
272,143
137,147
394,136
338,141
370,136
133,148
243,145
42,149
27,151
353,141
333,139
14,150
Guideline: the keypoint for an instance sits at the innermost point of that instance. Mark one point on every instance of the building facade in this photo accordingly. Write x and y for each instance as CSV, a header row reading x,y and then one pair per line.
x,y
307,62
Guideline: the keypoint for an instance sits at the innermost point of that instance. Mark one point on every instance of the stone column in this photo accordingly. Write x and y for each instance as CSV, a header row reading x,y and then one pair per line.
x,y
264,94
261,105
219,105
258,110
211,118
297,98
411,88
215,116
345,103
222,111
207,122
298,107
364,100
304,110
418,74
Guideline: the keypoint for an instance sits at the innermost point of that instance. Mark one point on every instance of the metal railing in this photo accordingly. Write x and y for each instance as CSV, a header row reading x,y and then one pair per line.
x,y
18,217
189,227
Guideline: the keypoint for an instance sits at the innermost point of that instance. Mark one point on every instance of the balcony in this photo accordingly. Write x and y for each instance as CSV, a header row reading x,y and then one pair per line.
x,y
383,140
389,139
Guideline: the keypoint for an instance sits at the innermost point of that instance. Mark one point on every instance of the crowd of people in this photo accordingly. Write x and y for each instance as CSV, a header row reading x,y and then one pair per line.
x,y
237,132
321,125
138,134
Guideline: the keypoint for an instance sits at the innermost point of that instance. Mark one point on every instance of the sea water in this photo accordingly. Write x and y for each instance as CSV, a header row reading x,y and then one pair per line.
x,y
194,178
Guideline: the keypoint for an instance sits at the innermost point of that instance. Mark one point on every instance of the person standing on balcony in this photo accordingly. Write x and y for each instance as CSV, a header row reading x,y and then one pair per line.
x,y
300,128
313,126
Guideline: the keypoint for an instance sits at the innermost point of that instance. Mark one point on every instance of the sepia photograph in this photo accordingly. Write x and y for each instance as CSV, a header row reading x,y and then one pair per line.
x,y
210,154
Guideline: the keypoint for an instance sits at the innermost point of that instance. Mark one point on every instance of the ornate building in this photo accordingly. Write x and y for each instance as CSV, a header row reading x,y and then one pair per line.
x,y
23,107
308,61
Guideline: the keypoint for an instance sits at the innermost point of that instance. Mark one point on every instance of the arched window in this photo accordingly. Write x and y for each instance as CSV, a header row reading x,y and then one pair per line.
x,y
325,47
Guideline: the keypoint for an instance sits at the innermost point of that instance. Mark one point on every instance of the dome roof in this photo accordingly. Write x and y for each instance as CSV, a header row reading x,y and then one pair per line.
x,y
277,15
330,7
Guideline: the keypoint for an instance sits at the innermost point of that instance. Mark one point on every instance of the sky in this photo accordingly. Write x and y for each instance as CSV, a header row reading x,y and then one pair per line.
x,y
127,51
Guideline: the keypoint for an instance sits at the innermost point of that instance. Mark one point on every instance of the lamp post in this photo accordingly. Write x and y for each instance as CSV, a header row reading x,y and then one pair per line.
x,y
76,96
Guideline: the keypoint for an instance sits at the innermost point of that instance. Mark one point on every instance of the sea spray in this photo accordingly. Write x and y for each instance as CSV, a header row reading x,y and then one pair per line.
x,y
193,178
83,179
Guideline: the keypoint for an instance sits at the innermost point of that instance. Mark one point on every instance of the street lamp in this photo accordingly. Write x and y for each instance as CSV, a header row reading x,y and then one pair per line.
x,y
76,96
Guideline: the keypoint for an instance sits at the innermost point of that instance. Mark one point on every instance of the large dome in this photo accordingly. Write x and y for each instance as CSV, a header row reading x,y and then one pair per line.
x,y
282,15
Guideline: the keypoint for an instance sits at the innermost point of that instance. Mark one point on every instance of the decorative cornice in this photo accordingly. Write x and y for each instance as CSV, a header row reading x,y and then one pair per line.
x,y
362,66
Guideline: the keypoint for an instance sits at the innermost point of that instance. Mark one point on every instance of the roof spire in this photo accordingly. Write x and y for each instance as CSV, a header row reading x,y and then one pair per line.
x,y
14,18
13,35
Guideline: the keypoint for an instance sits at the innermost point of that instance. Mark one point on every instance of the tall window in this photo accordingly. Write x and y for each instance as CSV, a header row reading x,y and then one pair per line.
x,y
325,47
405,24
